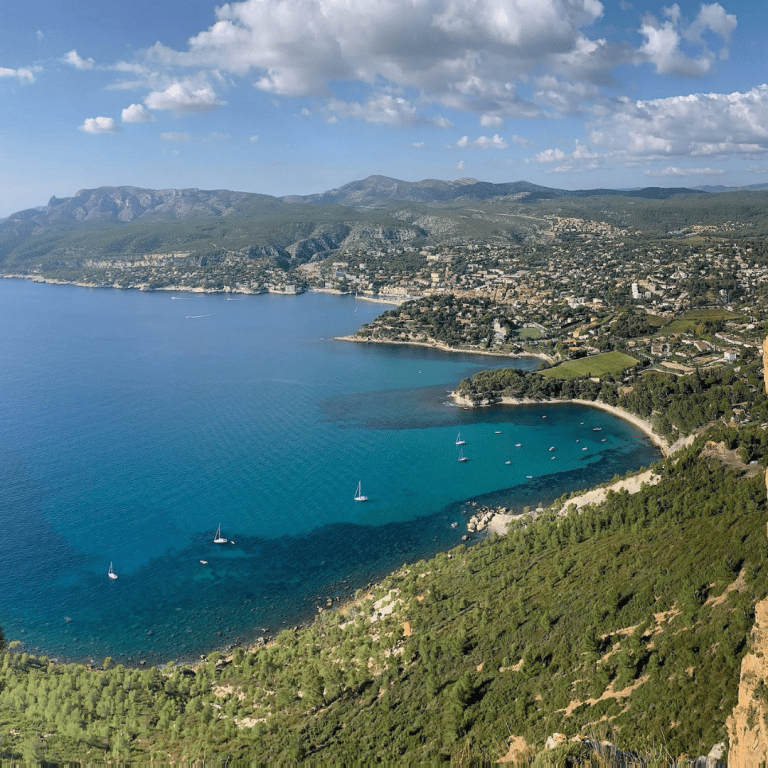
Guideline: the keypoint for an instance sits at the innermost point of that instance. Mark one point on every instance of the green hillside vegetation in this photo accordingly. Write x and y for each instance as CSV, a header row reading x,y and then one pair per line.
x,y
745,211
613,363
628,621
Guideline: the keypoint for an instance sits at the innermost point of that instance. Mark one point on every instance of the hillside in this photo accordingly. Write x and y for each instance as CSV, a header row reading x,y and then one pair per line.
x,y
626,621
219,240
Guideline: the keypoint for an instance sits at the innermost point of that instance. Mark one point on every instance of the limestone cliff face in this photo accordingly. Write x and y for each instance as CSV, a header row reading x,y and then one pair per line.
x,y
748,723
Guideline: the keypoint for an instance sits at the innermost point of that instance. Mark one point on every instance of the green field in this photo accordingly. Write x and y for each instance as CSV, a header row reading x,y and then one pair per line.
x,y
689,320
596,365
529,334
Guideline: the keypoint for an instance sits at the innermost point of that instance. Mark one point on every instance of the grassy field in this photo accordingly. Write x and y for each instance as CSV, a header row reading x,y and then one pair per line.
x,y
689,320
596,365
529,334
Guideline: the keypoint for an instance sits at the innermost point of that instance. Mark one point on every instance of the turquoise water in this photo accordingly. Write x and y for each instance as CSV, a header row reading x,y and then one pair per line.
x,y
133,424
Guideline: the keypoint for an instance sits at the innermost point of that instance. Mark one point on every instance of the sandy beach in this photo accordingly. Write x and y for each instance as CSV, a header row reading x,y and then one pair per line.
x,y
643,425
500,521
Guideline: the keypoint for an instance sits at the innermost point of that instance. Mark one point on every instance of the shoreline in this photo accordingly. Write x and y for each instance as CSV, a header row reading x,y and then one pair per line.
x,y
199,289
642,424
445,348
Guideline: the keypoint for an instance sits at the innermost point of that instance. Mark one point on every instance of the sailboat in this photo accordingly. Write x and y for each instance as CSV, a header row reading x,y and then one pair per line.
x,y
459,441
462,457
359,492
111,572
218,538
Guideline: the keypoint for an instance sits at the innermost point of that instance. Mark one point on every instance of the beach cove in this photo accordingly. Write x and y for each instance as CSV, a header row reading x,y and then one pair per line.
x,y
133,423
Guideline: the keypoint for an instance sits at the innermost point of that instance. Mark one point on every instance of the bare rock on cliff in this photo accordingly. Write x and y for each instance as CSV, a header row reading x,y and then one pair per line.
x,y
747,732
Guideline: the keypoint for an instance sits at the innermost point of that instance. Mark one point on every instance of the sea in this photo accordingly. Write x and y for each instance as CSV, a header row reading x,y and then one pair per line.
x,y
133,424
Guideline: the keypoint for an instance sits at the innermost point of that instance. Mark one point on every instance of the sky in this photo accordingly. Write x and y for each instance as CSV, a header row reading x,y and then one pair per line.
x,y
300,96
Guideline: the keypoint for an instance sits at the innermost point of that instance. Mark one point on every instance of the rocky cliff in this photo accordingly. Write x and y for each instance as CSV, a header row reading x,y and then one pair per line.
x,y
748,724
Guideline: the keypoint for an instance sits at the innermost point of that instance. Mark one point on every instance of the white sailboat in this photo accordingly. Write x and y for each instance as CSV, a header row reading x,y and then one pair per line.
x,y
359,492
111,572
218,538
459,441
462,457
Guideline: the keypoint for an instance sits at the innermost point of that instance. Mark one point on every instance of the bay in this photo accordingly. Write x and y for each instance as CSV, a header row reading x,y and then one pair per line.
x,y
132,424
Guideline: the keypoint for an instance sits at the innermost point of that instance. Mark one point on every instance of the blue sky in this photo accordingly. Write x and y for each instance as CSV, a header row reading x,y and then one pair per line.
x,y
299,96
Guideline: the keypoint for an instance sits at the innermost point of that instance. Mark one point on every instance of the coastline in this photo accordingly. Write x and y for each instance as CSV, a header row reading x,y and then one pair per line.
x,y
498,523
642,424
199,289
445,348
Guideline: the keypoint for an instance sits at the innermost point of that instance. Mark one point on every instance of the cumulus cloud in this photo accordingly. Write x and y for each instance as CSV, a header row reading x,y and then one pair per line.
x,y
663,44
382,109
136,113
711,124
674,170
463,53
75,60
253,139
407,59
549,156
714,126
100,125
483,142
185,98
24,75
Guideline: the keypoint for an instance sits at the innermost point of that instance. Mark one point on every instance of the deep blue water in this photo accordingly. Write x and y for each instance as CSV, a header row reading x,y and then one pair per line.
x,y
132,424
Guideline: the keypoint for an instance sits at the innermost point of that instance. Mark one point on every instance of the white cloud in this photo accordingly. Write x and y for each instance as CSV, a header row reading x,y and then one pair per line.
x,y
136,113
174,136
461,53
407,59
711,124
460,165
100,125
715,126
674,170
563,97
663,45
382,109
40,35
75,60
483,142
418,145
253,139
492,121
549,156
24,75
183,97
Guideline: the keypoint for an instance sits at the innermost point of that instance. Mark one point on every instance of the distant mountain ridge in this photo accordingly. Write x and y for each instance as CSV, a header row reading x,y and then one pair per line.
x,y
122,205
377,191
126,204
124,224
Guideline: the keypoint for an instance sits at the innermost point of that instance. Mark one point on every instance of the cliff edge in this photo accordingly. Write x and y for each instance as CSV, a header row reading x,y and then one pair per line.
x,y
748,723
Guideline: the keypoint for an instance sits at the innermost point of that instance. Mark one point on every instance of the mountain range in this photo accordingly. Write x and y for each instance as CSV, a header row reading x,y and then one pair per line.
x,y
110,224
125,204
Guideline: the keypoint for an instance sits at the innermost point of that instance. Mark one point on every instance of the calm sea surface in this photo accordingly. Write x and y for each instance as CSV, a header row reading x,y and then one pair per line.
x,y
133,424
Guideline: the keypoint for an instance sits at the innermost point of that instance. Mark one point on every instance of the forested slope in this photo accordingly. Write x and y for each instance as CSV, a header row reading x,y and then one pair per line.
x,y
627,621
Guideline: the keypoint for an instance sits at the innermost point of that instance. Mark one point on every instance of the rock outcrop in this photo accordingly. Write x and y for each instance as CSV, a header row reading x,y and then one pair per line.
x,y
748,723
